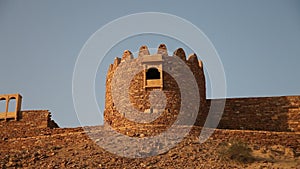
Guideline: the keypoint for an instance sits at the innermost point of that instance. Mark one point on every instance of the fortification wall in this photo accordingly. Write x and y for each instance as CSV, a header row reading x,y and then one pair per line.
x,y
260,113
30,121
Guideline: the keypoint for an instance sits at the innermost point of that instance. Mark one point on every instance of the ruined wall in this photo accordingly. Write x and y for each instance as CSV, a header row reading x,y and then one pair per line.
x,y
139,97
260,113
37,118
29,121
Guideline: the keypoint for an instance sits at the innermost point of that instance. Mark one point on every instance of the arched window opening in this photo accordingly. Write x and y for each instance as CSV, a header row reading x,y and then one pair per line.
x,y
2,105
152,73
12,105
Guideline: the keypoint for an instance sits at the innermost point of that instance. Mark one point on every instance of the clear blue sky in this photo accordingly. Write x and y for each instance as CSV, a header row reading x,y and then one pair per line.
x,y
258,43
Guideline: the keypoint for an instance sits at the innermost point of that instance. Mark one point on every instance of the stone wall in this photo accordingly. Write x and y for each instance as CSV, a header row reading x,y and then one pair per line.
x,y
260,113
29,121
38,118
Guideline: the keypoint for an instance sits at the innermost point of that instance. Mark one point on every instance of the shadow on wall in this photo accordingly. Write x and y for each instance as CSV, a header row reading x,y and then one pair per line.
x,y
260,113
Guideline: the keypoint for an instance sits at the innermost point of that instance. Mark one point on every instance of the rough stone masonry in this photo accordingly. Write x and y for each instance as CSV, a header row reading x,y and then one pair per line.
x,y
265,113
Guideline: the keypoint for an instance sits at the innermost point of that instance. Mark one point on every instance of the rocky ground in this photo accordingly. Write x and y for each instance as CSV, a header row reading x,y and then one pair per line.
x,y
73,148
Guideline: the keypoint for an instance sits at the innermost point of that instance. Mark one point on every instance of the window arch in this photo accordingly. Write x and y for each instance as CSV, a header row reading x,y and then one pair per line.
x,y
2,105
152,73
12,103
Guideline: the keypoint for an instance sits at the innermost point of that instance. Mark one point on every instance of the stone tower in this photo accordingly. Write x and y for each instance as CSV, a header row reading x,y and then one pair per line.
x,y
141,93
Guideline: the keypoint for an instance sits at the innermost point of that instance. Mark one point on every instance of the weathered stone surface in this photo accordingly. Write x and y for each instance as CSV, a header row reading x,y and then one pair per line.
x,y
116,62
180,53
162,49
193,59
126,55
143,51
260,113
